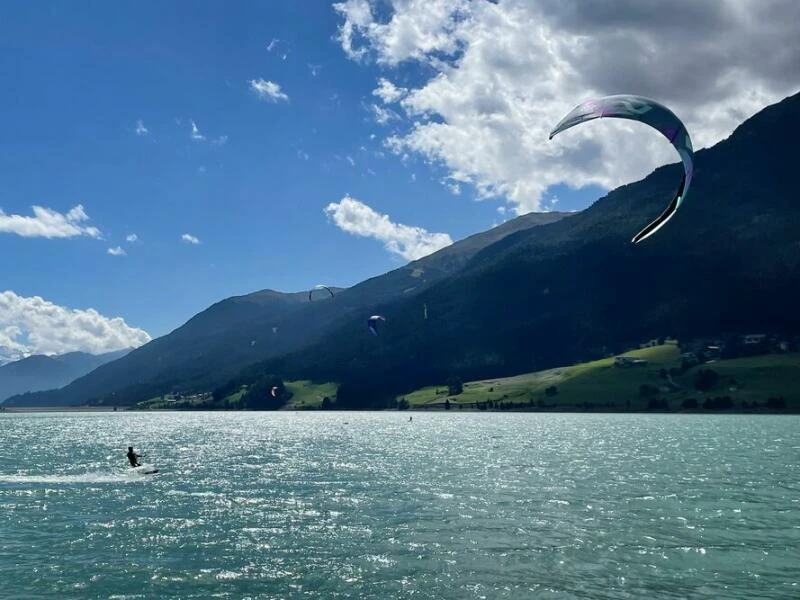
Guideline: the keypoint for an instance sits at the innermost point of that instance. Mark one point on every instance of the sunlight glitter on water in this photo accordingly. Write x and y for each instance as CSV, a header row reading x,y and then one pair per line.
x,y
302,505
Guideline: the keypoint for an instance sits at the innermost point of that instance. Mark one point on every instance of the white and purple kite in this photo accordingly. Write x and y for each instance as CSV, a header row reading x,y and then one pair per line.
x,y
652,113
372,323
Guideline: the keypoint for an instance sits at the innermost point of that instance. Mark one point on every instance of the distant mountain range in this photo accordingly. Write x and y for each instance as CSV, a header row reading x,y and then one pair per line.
x,y
539,291
41,372
219,342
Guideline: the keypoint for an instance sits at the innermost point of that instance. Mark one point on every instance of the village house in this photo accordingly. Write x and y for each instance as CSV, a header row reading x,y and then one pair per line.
x,y
629,361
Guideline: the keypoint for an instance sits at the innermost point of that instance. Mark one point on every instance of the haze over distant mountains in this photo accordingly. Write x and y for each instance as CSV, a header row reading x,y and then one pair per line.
x,y
40,372
539,291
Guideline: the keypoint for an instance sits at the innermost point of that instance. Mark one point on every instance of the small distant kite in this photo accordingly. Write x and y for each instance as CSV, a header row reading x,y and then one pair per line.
x,y
274,391
650,112
372,323
319,287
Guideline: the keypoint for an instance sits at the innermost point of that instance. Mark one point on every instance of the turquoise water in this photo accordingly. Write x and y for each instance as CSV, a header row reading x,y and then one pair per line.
x,y
368,505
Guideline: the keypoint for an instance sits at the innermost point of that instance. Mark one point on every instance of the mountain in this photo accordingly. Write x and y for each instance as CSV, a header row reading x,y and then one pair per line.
x,y
529,295
219,342
578,289
40,372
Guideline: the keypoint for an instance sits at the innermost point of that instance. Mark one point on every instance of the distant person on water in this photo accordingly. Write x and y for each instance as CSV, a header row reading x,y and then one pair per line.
x,y
133,457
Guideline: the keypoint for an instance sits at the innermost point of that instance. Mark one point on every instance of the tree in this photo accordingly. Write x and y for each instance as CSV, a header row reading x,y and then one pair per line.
x,y
776,403
454,386
551,391
689,404
447,404
259,395
646,390
705,380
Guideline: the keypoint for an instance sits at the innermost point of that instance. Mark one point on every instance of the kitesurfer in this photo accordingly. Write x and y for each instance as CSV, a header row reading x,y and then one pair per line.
x,y
133,457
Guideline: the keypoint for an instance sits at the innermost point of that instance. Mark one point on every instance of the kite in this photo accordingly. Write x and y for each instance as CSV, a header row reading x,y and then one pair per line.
x,y
650,112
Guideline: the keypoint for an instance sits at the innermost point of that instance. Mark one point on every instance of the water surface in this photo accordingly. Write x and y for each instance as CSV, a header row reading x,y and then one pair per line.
x,y
368,505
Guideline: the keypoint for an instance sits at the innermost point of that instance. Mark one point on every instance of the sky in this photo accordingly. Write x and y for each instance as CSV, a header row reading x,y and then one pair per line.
x,y
157,157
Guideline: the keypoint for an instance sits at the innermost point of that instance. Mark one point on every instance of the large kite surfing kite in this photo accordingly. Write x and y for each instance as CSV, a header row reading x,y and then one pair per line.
x,y
652,113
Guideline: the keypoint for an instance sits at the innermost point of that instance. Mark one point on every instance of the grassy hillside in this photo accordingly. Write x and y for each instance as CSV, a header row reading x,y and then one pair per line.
x,y
306,394
601,385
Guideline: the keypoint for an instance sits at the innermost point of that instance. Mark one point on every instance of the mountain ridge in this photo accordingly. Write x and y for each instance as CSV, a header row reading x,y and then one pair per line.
x,y
218,342
41,372
570,288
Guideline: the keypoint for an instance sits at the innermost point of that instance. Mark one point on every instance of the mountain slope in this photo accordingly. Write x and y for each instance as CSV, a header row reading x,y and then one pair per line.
x,y
40,372
218,342
577,289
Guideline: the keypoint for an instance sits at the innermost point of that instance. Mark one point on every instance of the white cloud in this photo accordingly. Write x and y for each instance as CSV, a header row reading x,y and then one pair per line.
x,y
141,129
196,135
350,160
268,90
132,238
189,239
118,251
383,115
221,140
408,242
276,44
315,69
49,223
388,92
32,325
302,154
495,77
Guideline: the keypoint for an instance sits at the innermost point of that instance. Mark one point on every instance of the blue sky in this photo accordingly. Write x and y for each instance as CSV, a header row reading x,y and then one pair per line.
x,y
239,123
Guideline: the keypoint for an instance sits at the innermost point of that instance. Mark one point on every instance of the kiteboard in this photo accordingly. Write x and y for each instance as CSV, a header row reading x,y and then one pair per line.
x,y
145,469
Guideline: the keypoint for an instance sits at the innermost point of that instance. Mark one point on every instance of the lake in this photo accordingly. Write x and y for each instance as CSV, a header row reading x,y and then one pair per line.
x,y
369,505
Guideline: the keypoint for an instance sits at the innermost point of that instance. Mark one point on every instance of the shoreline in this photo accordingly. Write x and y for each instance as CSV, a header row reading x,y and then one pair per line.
x,y
564,410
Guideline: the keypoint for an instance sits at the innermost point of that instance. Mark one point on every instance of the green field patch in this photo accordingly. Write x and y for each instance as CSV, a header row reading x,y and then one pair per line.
x,y
307,394
600,385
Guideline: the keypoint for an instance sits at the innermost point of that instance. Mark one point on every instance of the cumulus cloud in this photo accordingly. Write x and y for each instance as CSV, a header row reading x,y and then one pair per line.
x,y
32,325
48,223
132,238
388,92
196,135
408,242
268,90
140,128
189,239
495,77
118,251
